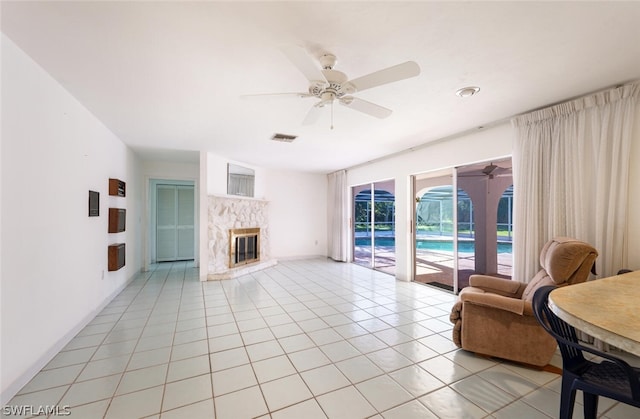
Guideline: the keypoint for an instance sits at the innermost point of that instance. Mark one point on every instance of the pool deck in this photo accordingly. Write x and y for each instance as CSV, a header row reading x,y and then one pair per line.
x,y
432,266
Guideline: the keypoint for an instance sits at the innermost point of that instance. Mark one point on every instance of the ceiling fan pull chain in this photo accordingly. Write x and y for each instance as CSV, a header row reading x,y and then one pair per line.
x,y
332,114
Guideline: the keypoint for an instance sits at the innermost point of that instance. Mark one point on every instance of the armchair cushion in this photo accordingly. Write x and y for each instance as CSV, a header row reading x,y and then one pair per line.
x,y
495,285
499,302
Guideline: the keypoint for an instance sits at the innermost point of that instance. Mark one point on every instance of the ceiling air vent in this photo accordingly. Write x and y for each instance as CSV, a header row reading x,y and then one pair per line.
x,y
284,138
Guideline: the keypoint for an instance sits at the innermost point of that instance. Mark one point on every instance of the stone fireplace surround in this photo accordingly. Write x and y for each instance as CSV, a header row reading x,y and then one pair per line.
x,y
225,213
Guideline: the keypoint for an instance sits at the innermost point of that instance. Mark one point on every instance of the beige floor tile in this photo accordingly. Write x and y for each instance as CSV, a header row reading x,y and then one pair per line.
x,y
95,410
52,378
184,392
273,368
199,410
104,367
243,404
189,367
309,409
233,379
324,379
285,392
383,393
135,405
149,358
345,403
91,391
142,378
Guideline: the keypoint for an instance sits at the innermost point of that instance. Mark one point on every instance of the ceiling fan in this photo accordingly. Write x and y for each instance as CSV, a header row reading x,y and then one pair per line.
x,y
491,171
330,85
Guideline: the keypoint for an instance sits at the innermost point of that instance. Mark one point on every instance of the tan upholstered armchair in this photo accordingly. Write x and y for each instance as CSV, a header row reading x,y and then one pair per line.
x,y
493,316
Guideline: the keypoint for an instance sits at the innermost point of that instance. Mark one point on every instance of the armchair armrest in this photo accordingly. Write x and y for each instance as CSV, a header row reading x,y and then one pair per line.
x,y
492,284
499,302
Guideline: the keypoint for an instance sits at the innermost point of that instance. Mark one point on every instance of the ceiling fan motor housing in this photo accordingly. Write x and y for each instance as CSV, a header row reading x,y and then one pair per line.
x,y
333,88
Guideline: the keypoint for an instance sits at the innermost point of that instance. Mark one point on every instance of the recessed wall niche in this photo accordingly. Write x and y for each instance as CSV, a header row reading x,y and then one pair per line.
x,y
117,223
117,187
117,220
94,204
115,256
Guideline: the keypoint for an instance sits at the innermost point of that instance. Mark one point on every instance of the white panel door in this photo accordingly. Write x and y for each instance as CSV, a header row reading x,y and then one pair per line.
x,y
185,222
174,223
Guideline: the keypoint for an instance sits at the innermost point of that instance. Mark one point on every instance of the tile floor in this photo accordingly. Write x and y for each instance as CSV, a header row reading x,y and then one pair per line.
x,y
303,339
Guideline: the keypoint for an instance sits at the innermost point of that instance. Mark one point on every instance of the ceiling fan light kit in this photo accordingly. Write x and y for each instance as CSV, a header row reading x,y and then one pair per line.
x,y
330,85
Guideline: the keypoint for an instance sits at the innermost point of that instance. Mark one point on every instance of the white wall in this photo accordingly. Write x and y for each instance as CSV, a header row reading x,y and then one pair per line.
x,y
483,145
297,213
54,257
297,206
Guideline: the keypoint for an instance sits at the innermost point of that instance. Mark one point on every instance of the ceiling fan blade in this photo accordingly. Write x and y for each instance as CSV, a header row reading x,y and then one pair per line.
x,y
312,115
488,169
387,75
291,94
365,107
307,66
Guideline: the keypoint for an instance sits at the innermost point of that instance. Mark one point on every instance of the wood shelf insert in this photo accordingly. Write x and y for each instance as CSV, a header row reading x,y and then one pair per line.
x,y
117,187
116,254
117,220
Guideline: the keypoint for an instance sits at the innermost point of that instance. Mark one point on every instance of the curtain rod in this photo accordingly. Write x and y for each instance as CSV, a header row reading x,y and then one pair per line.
x,y
485,126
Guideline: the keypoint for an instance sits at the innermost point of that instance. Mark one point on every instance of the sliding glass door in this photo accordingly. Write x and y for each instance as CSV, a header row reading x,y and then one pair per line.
x,y
463,224
435,230
374,225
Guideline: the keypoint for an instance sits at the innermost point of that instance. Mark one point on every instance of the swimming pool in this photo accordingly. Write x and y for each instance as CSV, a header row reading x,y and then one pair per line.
x,y
431,244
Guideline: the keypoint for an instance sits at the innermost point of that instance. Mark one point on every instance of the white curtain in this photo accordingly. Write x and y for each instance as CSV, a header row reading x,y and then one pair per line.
x,y
570,170
338,217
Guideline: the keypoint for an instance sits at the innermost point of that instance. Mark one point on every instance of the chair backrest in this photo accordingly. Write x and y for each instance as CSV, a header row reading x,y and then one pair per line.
x,y
564,261
573,359
562,332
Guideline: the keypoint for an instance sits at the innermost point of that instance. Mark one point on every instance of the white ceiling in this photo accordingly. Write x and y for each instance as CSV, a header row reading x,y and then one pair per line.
x,y
167,77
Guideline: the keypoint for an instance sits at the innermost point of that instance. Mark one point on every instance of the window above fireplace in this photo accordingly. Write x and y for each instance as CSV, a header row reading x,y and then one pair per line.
x,y
240,180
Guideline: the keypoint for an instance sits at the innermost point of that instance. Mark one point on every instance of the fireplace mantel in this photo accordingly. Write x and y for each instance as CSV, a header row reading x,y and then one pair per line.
x,y
237,197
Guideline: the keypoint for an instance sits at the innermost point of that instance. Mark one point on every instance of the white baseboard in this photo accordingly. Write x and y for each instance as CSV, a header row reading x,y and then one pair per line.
x,y
41,362
302,257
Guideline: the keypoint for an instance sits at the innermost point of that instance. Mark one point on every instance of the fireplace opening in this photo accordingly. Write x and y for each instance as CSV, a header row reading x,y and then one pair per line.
x,y
244,246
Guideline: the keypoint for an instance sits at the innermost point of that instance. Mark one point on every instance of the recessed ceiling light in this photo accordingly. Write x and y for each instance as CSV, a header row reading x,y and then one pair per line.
x,y
468,91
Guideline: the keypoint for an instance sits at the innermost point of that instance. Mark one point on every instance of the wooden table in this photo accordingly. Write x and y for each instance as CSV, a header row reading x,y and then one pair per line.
x,y
607,309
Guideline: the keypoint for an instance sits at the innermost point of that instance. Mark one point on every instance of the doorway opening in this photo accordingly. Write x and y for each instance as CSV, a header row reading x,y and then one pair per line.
x,y
173,220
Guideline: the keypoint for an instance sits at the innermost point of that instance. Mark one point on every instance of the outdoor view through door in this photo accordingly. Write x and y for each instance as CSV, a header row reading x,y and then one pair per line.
x,y
472,236
374,226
